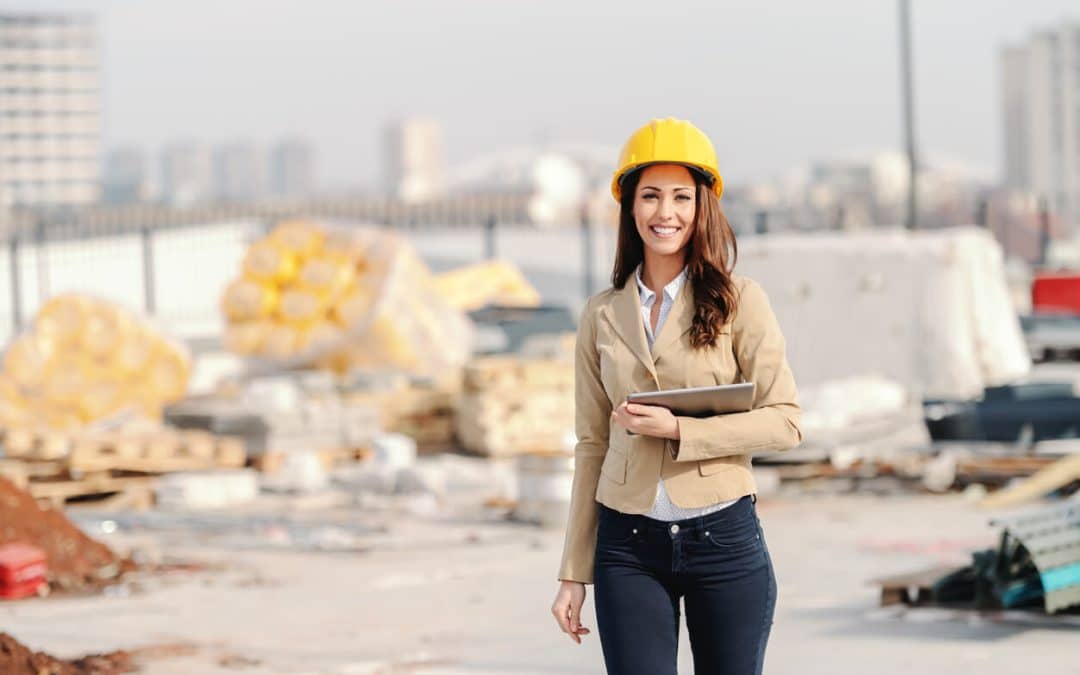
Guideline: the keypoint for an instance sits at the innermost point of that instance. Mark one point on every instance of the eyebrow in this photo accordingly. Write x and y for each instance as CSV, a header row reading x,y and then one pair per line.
x,y
653,187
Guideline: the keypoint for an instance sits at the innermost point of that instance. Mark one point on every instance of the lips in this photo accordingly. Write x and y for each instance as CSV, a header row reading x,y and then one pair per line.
x,y
664,232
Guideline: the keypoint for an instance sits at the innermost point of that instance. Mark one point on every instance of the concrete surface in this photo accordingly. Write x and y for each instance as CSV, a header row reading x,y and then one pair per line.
x,y
469,593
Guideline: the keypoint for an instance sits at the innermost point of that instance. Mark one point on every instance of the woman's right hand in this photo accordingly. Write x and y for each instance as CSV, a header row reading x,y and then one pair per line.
x,y
567,609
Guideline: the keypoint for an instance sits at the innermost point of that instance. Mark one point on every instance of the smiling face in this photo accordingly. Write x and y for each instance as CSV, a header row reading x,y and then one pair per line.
x,y
665,205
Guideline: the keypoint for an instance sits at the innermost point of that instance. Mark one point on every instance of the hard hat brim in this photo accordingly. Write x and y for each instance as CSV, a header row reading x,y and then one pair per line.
x,y
713,180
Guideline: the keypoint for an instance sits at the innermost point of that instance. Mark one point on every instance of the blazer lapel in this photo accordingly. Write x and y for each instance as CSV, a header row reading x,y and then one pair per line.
x,y
625,318
678,320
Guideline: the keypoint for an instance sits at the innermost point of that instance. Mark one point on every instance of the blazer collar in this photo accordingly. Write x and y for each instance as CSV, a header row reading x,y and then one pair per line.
x,y
625,317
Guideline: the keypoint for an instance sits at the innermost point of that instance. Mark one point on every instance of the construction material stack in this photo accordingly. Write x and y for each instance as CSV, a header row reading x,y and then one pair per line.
x,y
512,405
341,299
85,360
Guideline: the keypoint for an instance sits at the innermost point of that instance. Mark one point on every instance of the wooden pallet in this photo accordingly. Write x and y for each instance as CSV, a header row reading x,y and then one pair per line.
x,y
272,461
126,492
157,451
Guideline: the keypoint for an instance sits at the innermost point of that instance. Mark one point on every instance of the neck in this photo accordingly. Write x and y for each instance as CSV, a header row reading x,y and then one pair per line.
x,y
659,270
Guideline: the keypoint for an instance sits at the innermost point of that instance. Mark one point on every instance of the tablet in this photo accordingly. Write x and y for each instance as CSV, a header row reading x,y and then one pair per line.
x,y
700,401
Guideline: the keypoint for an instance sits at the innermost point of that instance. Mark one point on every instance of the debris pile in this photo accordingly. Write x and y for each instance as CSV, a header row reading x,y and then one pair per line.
x,y
75,561
18,659
1036,566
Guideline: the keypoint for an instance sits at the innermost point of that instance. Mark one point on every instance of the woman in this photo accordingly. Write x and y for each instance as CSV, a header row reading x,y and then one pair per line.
x,y
662,505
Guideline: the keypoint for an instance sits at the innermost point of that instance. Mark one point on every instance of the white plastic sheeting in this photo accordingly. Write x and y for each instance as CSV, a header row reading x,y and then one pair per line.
x,y
928,309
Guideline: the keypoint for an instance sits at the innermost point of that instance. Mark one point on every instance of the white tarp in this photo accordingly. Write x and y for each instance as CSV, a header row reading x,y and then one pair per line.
x,y
928,309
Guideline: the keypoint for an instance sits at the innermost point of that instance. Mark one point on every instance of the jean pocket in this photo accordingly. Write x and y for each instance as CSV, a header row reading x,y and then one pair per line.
x,y
734,539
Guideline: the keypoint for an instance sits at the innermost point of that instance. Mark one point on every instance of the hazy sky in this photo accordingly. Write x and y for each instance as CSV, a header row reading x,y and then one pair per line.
x,y
773,82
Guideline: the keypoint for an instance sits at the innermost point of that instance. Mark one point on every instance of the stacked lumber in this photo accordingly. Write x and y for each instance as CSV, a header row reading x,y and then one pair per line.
x,y
424,411
85,360
512,405
341,299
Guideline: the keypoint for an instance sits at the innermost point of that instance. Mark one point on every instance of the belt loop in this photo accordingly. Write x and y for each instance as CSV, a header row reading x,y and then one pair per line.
x,y
753,498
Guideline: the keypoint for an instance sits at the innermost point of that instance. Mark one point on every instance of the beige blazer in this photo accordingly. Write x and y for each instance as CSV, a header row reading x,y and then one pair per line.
x,y
711,461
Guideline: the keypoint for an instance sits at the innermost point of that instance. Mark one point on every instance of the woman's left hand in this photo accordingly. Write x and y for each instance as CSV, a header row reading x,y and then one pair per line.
x,y
648,420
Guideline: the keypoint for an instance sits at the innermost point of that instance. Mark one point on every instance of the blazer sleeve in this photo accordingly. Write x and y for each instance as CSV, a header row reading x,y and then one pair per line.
x,y
592,414
773,422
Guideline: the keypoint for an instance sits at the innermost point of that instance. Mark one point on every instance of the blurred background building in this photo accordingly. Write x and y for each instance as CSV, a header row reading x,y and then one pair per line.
x,y
413,160
239,172
126,177
1040,87
292,168
186,173
50,109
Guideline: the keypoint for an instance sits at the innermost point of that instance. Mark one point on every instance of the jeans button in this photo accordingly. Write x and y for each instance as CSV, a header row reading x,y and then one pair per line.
x,y
674,529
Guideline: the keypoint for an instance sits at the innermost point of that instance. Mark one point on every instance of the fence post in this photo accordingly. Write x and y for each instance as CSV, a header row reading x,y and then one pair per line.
x,y
42,260
489,238
147,237
587,251
16,285
1044,230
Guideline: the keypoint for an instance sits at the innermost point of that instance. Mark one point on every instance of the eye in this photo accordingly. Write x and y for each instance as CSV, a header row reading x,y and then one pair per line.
x,y
683,198
649,195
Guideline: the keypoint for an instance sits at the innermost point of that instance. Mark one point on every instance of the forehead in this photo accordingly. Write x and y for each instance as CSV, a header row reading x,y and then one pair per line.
x,y
666,175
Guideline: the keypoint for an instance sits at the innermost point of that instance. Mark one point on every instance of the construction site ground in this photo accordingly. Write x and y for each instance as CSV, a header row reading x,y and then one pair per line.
x,y
325,584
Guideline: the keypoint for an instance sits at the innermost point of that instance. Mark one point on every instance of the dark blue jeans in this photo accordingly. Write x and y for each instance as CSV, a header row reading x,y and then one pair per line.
x,y
717,563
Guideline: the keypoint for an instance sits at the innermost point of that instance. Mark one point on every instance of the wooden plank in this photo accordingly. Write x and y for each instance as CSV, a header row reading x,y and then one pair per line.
x,y
89,486
1059,474
231,451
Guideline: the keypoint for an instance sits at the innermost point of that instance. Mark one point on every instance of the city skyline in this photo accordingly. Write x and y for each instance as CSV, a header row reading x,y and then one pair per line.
x,y
776,86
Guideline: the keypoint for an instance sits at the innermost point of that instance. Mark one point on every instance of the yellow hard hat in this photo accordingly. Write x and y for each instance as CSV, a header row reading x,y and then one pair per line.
x,y
664,141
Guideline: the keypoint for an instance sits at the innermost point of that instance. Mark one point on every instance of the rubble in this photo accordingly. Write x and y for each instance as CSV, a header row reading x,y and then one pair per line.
x,y
75,560
18,659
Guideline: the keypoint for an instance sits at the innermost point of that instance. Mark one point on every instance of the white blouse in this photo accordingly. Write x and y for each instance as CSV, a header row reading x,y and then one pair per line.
x,y
663,508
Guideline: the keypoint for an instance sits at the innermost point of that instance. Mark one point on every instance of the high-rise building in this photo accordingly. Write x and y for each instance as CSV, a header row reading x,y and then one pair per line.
x,y
187,175
413,159
1040,87
50,109
126,177
292,168
239,172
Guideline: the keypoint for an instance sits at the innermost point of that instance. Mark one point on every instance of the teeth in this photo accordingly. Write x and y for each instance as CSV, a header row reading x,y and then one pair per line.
x,y
664,230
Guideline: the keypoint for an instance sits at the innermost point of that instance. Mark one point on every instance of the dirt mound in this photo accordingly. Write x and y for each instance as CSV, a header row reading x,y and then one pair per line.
x,y
75,560
18,659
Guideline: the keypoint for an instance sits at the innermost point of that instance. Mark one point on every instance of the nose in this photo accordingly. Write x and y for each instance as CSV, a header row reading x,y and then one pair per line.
x,y
667,209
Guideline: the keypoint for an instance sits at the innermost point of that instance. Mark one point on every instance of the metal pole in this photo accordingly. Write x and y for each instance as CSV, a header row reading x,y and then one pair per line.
x,y
16,286
1044,230
908,102
489,238
587,252
148,269
42,260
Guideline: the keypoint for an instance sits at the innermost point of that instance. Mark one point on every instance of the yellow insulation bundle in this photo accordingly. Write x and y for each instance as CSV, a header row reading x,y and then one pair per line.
x,y
492,282
341,298
86,359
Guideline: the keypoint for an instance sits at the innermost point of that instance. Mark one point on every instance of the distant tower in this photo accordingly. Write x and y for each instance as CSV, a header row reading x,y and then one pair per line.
x,y
50,109
239,172
1040,89
186,174
413,154
292,168
126,177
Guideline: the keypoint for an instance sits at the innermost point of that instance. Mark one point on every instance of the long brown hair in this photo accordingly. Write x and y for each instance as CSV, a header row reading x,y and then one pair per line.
x,y
710,259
